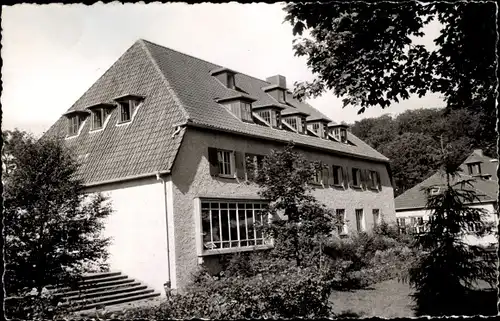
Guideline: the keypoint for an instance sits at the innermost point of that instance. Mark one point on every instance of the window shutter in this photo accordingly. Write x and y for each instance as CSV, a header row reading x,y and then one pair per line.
x,y
325,175
345,176
366,178
330,177
240,167
379,182
213,160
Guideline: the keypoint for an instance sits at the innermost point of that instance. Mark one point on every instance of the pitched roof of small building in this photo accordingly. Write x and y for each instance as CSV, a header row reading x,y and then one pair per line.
x,y
178,89
486,189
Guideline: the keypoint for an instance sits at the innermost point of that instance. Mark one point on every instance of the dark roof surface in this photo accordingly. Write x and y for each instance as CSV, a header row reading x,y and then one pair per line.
x,y
178,89
415,198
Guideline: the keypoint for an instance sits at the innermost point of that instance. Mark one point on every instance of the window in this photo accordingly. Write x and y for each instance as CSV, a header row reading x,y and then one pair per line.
x,y
226,163
340,134
232,224
315,128
376,217
127,109
474,169
373,179
356,177
343,135
270,116
337,175
401,223
303,124
316,179
292,121
360,220
97,118
342,224
73,125
230,81
246,111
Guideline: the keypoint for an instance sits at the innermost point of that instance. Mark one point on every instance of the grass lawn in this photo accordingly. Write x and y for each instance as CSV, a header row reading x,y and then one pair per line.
x,y
388,299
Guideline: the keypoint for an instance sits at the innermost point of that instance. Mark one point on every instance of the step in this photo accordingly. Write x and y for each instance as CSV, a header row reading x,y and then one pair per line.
x,y
118,301
100,275
104,279
100,300
99,289
83,287
105,293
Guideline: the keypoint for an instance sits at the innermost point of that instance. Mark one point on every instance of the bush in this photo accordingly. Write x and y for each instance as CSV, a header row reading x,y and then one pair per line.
x,y
33,306
295,292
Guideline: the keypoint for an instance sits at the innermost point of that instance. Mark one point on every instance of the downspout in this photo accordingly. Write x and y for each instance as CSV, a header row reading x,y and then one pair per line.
x,y
168,284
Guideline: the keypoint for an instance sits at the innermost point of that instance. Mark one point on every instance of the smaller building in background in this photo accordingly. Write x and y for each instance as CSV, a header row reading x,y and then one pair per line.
x,y
411,214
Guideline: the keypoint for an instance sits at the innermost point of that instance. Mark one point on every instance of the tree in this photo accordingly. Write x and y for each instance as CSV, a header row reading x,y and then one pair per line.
x,y
448,267
52,228
284,180
364,53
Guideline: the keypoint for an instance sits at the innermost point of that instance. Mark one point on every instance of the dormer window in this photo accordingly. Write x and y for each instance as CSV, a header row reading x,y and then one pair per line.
x,y
246,111
75,121
339,132
97,118
271,116
474,168
128,106
240,106
226,76
296,120
319,128
74,125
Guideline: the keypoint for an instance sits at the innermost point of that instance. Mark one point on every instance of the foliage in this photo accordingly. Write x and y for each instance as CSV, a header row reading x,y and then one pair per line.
x,y
412,140
448,267
295,292
364,51
52,229
300,223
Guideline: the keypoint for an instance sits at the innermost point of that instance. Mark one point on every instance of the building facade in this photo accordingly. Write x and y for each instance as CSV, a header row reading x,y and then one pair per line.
x,y
410,206
168,138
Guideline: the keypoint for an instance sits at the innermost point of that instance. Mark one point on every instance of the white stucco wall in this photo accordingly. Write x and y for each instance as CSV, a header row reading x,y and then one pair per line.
x,y
471,239
138,230
191,179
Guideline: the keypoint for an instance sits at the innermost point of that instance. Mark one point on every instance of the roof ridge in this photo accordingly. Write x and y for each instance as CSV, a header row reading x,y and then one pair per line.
x,y
220,66
165,81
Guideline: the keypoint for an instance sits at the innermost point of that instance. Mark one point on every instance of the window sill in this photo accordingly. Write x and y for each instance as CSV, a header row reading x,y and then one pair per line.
x,y
358,187
226,176
236,250
338,186
124,122
374,189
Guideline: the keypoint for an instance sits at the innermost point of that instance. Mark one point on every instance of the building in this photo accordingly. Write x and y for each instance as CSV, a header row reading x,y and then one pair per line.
x,y
410,206
165,136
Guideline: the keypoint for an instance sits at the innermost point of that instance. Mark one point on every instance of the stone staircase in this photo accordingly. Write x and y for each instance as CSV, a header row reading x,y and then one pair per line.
x,y
103,289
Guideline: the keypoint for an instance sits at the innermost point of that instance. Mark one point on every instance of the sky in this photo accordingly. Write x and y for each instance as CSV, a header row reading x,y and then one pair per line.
x,y
53,53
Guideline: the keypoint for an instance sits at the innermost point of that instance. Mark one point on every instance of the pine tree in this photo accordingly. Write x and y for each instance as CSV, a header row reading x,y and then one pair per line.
x,y
449,267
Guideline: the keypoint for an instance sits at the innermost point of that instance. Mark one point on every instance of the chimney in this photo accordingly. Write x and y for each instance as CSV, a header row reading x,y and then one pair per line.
x,y
277,80
479,152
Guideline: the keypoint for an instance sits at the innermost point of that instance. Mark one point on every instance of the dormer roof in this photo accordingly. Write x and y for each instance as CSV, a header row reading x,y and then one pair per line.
x,y
101,105
179,90
236,97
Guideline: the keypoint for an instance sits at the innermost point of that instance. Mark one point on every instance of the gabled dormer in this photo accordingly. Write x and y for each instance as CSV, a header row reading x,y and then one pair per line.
x,y
99,115
338,132
128,105
295,120
75,118
277,88
319,127
226,76
269,114
240,106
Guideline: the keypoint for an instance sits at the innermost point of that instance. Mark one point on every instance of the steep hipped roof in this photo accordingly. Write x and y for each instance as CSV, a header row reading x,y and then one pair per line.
x,y
178,89
415,198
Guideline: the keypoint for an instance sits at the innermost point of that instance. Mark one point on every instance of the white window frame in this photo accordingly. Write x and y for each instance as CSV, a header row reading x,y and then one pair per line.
x,y
344,219
132,110
222,159
222,246
338,170
73,128
362,223
317,177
